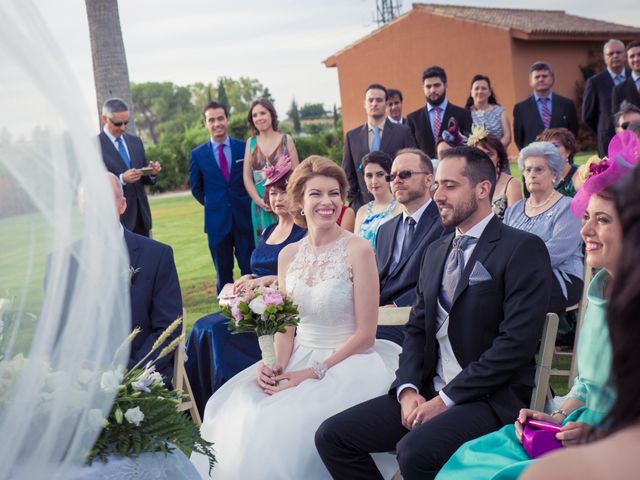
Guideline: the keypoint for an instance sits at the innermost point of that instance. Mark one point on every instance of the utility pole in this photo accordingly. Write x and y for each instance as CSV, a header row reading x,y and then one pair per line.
x,y
387,10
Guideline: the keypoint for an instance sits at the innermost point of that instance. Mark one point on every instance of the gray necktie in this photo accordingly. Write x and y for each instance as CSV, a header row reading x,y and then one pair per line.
x,y
409,230
453,269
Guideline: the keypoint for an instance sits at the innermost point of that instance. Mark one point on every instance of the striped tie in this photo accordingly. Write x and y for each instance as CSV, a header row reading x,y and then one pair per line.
x,y
437,123
546,113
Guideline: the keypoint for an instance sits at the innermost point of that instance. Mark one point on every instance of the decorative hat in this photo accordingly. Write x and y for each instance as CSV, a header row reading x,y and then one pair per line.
x,y
478,133
273,173
624,154
452,134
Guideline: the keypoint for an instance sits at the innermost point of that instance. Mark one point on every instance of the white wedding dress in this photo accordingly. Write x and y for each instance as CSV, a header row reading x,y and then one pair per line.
x,y
258,436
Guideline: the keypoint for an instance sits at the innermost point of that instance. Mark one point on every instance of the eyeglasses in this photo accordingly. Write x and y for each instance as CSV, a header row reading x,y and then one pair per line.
x,y
118,124
403,175
625,125
615,52
536,170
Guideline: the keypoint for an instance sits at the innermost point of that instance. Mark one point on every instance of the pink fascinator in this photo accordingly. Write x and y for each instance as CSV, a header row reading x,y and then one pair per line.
x,y
273,173
624,154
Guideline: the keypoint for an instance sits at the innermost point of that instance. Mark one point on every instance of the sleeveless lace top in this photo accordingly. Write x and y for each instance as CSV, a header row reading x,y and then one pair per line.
x,y
322,287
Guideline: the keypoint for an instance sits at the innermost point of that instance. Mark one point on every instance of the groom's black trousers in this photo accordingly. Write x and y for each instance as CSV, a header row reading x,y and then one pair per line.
x,y
345,440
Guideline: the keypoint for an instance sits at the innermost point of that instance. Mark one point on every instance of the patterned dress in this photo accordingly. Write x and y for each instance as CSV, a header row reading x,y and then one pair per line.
x,y
489,119
371,223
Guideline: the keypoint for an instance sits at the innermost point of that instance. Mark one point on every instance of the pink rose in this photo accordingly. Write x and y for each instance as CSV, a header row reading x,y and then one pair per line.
x,y
272,297
235,311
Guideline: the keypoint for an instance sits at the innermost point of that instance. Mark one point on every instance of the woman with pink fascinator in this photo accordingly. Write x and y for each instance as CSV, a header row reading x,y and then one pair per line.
x,y
506,453
214,355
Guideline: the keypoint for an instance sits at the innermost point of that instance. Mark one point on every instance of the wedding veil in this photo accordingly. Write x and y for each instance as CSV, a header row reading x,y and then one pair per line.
x,y
64,292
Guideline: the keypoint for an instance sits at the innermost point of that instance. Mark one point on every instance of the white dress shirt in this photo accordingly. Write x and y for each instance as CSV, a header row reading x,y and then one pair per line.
x,y
447,366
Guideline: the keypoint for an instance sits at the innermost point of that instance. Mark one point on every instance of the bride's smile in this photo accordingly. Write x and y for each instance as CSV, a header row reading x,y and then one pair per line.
x,y
322,200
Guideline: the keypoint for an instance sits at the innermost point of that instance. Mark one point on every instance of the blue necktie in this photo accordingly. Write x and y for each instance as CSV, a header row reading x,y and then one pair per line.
x,y
123,152
618,79
375,145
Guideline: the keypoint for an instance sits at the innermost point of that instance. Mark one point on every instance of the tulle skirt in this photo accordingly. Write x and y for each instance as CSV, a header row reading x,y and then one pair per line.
x,y
258,436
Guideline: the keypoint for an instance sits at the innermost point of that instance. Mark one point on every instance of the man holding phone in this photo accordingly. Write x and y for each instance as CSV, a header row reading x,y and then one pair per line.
x,y
123,155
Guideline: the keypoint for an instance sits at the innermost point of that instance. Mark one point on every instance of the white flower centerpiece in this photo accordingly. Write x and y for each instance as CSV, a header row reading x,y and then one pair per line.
x,y
263,311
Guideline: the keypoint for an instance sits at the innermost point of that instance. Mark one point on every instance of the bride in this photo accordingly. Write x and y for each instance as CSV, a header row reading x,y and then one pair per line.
x,y
263,426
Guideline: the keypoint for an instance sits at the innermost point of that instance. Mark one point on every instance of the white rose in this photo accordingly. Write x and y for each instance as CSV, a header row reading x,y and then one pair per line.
x,y
110,381
257,305
134,415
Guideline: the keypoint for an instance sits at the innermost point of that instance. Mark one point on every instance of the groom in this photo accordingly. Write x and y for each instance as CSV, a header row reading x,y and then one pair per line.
x,y
467,362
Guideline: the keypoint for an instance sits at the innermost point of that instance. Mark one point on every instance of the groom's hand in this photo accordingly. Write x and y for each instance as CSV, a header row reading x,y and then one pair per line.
x,y
426,411
409,401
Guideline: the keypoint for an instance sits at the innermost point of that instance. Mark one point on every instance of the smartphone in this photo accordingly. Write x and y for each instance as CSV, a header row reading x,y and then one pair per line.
x,y
146,170
543,425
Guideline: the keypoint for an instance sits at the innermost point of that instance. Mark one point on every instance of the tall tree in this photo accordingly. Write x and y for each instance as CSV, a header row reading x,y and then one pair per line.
x,y
266,94
222,94
110,71
294,115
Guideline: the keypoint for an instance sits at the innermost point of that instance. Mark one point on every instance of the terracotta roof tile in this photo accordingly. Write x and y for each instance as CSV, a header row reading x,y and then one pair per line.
x,y
529,21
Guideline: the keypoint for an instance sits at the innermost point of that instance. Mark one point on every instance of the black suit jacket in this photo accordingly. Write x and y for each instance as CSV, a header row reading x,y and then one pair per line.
x,y
155,297
398,286
356,146
137,203
420,126
527,123
596,108
494,325
628,91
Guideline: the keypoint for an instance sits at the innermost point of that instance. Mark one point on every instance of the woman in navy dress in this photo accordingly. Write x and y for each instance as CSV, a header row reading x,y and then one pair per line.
x,y
214,355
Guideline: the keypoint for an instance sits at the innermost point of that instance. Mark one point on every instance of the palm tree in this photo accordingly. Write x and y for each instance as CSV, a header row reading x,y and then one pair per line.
x,y
107,50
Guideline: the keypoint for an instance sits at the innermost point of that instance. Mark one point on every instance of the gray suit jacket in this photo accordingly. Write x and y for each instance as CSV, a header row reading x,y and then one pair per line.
x,y
356,146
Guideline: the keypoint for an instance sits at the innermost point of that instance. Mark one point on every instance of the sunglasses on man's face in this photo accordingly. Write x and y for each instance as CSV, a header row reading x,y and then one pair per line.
x,y
119,124
403,175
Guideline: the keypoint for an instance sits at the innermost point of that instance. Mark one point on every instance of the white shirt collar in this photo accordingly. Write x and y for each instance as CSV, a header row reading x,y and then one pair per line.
x,y
417,215
477,230
109,136
443,105
635,76
226,142
622,74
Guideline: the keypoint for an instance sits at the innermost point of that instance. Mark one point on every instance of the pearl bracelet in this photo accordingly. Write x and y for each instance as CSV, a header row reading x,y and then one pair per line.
x,y
561,412
319,368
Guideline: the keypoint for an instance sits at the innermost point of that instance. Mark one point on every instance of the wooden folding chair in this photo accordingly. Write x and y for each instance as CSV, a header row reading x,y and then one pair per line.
x,y
543,365
181,381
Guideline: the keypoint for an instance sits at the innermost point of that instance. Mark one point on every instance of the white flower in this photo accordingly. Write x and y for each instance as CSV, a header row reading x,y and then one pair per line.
x,y
156,377
110,380
257,305
134,415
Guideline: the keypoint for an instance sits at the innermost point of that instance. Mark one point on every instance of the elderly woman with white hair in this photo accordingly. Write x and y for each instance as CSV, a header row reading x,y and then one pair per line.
x,y
547,214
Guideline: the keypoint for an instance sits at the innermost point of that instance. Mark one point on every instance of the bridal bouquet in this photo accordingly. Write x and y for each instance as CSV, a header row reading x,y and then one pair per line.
x,y
263,311
143,417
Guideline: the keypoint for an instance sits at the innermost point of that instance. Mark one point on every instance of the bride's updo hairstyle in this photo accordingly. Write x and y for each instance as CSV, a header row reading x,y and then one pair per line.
x,y
310,167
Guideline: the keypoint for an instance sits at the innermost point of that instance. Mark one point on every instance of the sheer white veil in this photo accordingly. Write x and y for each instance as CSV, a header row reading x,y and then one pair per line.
x,y
64,292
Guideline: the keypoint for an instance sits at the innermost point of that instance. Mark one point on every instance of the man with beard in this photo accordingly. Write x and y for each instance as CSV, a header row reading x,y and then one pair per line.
x,y
466,366
402,241
428,122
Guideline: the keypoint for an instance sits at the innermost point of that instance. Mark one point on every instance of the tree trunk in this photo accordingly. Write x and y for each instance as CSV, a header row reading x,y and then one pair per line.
x,y
110,70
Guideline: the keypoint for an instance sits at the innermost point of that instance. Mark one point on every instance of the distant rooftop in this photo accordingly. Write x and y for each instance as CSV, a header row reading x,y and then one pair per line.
x,y
529,21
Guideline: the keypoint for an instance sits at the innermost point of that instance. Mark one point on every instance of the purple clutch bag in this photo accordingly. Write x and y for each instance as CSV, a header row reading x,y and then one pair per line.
x,y
539,437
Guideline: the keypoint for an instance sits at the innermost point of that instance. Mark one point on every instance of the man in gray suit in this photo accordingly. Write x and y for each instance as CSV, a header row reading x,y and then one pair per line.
x,y
377,134
123,155
402,241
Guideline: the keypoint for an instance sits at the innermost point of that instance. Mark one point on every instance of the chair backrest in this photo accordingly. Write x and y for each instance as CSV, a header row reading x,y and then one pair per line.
x,y
181,381
588,276
393,316
545,359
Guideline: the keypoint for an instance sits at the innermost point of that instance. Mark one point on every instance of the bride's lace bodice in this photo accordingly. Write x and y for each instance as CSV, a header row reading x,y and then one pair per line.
x,y
322,287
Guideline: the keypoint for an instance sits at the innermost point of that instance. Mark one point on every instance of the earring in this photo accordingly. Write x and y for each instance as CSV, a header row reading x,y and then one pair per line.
x,y
302,212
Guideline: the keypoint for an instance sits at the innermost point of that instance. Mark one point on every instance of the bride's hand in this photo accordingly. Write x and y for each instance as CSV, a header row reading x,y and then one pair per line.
x,y
266,376
290,379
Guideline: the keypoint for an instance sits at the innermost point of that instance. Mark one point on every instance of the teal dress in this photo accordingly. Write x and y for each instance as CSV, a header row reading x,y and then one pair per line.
x,y
499,455
370,225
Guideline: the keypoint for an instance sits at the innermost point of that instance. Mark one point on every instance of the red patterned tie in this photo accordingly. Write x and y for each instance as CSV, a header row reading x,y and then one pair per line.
x,y
546,113
437,123
224,165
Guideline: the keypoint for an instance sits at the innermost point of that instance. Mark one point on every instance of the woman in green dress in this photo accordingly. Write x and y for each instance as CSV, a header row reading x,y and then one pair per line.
x,y
264,149
500,455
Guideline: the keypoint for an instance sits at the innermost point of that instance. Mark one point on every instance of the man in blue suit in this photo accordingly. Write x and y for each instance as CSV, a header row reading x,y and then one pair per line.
x,y
215,173
156,300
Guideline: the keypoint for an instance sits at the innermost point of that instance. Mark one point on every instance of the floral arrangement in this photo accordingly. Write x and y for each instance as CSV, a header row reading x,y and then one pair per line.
x,y
593,166
263,311
143,417
478,133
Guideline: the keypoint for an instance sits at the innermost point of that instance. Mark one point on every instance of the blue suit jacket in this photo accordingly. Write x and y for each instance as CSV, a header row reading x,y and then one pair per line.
x,y
227,205
155,297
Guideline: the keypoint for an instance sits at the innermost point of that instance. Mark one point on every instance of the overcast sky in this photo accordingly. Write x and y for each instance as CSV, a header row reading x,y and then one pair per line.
x,y
280,42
